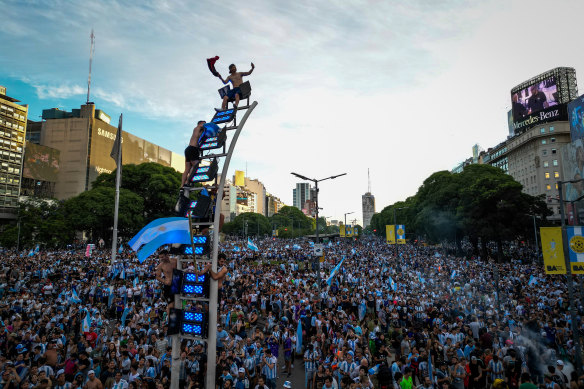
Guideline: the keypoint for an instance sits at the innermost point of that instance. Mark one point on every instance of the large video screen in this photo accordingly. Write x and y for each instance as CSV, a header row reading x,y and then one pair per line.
x,y
41,162
573,169
534,98
576,118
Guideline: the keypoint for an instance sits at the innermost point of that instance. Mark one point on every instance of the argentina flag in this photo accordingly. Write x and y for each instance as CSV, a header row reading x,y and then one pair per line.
x,y
251,245
158,233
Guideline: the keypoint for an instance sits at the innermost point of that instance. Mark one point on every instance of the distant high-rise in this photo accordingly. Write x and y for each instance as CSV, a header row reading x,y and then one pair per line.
x,y
13,118
301,194
368,202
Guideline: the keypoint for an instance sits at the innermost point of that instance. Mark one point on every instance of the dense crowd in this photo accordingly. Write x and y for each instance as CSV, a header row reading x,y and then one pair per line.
x,y
412,317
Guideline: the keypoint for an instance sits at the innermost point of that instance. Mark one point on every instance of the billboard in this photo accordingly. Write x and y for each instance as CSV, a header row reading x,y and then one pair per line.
x,y
573,169
536,103
576,118
41,163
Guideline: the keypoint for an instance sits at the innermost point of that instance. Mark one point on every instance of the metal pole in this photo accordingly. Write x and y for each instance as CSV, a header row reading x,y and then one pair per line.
x,y
176,340
535,234
213,295
395,231
317,259
117,201
18,234
574,314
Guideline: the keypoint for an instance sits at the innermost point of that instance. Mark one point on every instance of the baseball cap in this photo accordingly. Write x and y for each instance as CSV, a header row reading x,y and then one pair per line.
x,y
90,372
560,362
241,370
287,384
62,371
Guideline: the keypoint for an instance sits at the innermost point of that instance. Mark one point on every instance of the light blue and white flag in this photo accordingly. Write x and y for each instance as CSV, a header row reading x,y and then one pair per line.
x,y
123,274
353,251
86,324
296,247
575,239
236,249
311,244
299,338
251,245
110,298
453,275
75,297
37,249
121,248
135,282
392,284
334,272
158,233
532,281
124,316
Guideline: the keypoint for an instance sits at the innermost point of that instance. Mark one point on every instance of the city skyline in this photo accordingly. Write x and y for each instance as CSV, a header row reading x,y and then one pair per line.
x,y
400,90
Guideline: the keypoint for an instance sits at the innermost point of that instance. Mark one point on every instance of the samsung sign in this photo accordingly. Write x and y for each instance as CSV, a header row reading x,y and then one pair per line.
x,y
551,114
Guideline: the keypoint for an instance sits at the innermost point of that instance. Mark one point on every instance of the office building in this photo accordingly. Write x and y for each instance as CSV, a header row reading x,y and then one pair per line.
x,y
301,194
368,206
85,138
13,117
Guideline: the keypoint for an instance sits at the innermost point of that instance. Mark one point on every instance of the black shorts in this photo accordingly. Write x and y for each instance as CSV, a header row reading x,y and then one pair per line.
x,y
168,296
192,153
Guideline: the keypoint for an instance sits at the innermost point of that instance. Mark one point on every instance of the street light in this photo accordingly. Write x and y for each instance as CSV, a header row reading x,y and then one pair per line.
x,y
348,213
316,201
574,314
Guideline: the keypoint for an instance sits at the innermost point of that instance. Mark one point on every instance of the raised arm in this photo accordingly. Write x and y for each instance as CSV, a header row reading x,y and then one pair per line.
x,y
220,274
250,70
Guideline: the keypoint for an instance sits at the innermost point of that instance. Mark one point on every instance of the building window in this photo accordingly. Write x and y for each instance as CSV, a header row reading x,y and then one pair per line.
x,y
547,175
556,186
546,164
551,129
554,151
555,162
544,152
553,140
556,174
542,130
548,187
543,141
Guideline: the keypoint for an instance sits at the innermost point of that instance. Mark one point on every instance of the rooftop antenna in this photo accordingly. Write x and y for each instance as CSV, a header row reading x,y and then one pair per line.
x,y
91,50
368,182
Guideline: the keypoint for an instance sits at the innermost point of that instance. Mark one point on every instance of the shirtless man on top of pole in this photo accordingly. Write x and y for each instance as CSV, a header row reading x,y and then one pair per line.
x,y
236,80
165,267
192,152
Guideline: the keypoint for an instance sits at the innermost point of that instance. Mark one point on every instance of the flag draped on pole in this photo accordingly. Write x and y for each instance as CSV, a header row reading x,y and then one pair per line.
x,y
124,316
158,233
453,275
334,272
392,284
251,245
75,297
86,324
299,338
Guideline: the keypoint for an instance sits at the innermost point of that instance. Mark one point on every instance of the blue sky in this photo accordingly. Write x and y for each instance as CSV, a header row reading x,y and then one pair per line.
x,y
404,88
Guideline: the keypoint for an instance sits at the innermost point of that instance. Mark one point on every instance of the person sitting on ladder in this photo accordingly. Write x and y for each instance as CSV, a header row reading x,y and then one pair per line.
x,y
235,78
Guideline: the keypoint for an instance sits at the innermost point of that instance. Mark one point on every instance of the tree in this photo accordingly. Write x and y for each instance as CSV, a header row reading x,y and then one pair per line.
x,y
93,212
257,225
42,222
156,184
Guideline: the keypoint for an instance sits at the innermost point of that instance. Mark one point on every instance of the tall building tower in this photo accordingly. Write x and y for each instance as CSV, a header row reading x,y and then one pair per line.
x,y
301,194
13,118
368,203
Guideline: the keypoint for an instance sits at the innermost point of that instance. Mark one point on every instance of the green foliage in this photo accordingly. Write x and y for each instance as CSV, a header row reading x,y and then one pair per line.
x,y
157,185
93,212
42,222
481,202
257,225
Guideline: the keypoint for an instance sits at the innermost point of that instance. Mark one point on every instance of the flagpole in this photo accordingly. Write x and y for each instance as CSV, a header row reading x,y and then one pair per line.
x,y
118,179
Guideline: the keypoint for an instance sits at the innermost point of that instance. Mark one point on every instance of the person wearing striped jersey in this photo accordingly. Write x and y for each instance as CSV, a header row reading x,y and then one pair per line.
x,y
270,368
310,365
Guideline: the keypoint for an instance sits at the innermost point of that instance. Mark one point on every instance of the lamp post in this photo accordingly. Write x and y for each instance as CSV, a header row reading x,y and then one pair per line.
x,y
574,314
348,213
316,201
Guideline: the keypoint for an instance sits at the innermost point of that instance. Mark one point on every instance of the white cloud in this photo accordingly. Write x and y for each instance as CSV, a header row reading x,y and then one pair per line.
x,y
404,88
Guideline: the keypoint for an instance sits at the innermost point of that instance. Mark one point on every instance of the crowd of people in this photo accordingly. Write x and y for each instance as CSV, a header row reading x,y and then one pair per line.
x,y
411,316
